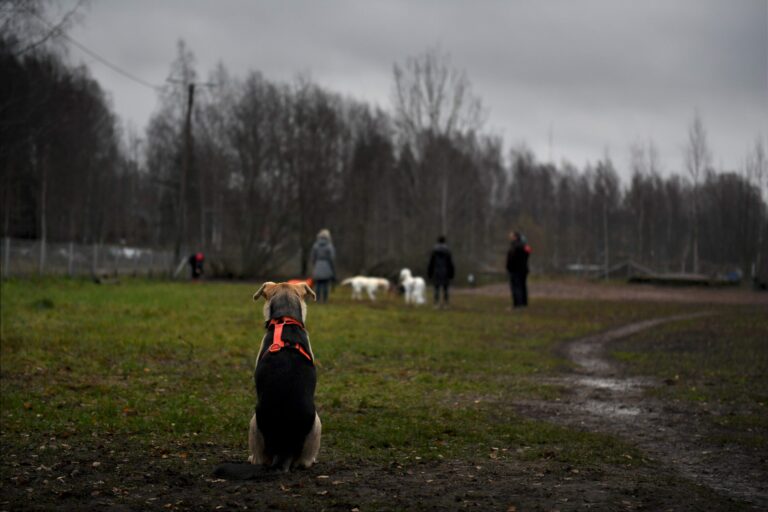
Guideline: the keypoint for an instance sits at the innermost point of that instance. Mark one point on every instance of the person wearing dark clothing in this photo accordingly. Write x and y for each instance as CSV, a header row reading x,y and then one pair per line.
x,y
323,257
517,267
441,270
196,262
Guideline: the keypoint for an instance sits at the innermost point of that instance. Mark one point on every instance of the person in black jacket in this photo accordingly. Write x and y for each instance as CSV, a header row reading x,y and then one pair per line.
x,y
196,262
517,266
441,270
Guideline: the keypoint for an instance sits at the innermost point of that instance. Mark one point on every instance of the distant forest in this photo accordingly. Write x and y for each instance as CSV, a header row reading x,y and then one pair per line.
x,y
248,170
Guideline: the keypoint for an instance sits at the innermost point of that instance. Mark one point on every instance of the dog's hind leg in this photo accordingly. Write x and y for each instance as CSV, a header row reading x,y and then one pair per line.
x,y
256,444
311,445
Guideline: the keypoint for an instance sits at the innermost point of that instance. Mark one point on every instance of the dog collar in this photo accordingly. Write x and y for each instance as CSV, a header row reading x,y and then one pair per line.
x,y
277,340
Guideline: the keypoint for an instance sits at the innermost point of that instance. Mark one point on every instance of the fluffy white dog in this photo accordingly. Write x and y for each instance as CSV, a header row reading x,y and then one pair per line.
x,y
414,287
370,285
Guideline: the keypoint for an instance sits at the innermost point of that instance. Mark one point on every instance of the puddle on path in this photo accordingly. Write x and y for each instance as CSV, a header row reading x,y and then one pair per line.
x,y
611,384
610,409
599,399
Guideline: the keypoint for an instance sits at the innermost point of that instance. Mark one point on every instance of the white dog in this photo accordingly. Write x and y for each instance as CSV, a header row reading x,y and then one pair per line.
x,y
370,284
414,287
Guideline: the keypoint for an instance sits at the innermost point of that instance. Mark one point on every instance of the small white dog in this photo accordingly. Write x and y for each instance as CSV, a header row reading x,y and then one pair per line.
x,y
414,287
371,285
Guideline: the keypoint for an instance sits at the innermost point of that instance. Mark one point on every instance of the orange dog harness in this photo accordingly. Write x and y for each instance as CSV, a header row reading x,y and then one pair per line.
x,y
277,340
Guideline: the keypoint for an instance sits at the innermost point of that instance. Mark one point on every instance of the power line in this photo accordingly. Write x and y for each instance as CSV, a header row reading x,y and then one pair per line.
x,y
113,67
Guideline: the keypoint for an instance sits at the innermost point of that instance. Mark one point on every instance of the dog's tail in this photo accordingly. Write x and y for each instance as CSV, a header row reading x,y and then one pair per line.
x,y
243,471
347,281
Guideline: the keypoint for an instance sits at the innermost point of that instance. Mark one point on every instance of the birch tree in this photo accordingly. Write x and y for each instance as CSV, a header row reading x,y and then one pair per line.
x,y
697,162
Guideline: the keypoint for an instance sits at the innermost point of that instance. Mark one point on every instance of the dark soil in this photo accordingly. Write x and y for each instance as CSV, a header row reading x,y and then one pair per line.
x,y
127,481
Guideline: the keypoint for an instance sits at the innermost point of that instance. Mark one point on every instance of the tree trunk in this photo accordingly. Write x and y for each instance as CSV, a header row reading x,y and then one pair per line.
x,y
444,203
605,239
43,212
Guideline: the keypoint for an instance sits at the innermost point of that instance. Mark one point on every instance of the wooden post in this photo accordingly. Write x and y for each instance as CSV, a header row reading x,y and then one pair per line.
x,y
6,256
95,259
41,256
43,213
181,233
70,259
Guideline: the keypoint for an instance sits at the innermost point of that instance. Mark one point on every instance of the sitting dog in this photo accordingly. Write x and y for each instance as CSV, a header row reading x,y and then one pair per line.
x,y
370,284
285,430
414,287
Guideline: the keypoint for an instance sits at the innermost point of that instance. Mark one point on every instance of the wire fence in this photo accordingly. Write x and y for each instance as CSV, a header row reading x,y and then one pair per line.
x,y
34,257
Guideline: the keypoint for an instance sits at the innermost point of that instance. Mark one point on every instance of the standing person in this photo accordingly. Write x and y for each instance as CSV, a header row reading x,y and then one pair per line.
x,y
323,259
196,263
517,266
441,270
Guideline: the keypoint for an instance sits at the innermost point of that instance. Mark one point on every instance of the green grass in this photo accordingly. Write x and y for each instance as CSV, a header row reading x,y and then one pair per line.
x,y
153,362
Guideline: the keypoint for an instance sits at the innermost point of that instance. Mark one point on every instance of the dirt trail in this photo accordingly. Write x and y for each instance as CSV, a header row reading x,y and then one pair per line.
x,y
592,290
600,398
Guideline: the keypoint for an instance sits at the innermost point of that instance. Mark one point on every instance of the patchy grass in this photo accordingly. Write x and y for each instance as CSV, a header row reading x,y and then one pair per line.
x,y
718,363
130,393
155,361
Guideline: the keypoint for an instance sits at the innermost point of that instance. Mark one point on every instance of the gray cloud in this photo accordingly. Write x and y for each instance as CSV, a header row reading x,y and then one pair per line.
x,y
597,74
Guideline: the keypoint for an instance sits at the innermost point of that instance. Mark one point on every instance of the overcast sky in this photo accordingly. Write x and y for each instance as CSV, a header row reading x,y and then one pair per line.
x,y
589,76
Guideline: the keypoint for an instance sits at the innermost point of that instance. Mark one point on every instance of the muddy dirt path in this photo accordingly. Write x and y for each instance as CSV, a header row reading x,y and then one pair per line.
x,y
601,398
593,290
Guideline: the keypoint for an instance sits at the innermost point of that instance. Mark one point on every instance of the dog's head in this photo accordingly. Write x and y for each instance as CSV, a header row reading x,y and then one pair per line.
x,y
285,299
405,274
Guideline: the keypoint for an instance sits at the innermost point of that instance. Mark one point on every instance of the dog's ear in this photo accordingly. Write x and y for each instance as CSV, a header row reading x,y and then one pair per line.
x,y
265,290
304,290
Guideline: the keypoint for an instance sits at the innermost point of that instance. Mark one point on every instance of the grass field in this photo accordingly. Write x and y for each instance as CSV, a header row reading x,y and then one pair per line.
x,y
145,372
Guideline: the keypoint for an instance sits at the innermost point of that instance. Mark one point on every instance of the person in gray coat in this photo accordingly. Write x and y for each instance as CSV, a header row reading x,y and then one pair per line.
x,y
323,257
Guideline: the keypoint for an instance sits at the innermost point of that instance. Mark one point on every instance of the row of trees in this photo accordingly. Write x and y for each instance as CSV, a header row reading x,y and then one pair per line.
x,y
270,164
249,169
61,164
671,223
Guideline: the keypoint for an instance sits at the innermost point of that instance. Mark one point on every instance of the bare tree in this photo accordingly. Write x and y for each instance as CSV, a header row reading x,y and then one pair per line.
x,y
433,101
26,28
432,96
644,165
697,162
757,174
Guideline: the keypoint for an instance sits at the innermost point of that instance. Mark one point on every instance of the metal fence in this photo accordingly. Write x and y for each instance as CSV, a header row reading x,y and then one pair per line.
x,y
33,257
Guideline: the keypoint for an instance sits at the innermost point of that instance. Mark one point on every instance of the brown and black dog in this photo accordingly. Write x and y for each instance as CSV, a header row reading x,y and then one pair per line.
x,y
285,430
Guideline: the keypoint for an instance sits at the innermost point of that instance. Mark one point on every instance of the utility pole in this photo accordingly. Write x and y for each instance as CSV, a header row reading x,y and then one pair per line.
x,y
186,159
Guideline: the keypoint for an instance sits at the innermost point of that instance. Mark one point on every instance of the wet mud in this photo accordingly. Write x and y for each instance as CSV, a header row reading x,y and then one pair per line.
x,y
601,398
